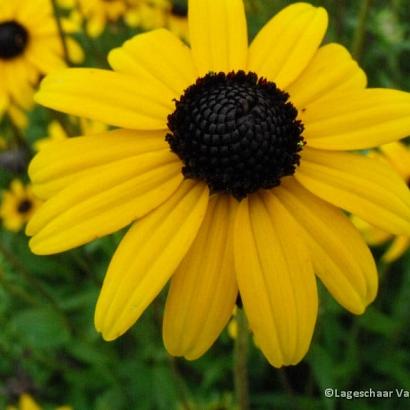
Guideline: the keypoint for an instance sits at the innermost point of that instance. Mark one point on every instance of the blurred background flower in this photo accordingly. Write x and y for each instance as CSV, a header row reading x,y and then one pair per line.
x,y
18,204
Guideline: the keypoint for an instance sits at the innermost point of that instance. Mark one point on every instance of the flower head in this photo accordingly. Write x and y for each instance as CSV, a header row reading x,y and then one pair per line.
x,y
17,206
29,46
231,160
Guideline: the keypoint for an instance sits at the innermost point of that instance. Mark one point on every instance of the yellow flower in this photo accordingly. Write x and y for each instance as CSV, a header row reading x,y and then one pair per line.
x,y
232,184
29,46
17,206
397,155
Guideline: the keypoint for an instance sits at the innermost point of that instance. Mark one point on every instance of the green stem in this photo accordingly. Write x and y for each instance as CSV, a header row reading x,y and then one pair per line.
x,y
240,362
18,138
360,33
340,11
181,387
61,32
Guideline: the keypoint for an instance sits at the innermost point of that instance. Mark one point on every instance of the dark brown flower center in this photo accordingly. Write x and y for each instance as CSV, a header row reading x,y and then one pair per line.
x,y
237,132
24,206
13,39
179,9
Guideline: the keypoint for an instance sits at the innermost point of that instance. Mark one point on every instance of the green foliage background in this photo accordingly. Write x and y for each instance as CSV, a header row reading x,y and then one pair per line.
x,y
48,345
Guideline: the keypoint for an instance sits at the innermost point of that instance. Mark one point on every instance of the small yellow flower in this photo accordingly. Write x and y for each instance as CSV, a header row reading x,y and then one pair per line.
x,y
29,46
229,162
17,206
397,155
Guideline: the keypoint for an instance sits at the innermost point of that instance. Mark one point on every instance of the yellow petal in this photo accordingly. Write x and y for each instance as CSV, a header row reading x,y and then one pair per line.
x,y
396,249
358,119
372,235
287,43
398,154
332,71
218,35
363,186
104,201
75,51
275,278
340,256
50,174
111,97
146,258
203,289
156,55
95,25
44,57
26,402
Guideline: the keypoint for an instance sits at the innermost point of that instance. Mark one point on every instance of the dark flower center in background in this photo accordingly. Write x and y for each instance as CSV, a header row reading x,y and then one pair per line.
x,y
13,39
24,206
179,10
236,132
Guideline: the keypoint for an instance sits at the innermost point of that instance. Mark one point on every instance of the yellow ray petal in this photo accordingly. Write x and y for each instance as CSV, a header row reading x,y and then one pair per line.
x,y
363,186
398,155
75,52
218,35
49,173
275,278
284,47
95,25
111,97
203,289
104,201
331,71
26,402
46,56
157,54
396,249
358,119
147,256
372,235
340,256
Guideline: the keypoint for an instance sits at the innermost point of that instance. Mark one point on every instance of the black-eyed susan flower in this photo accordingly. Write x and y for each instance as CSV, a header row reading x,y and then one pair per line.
x,y
232,161
397,155
17,205
29,46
